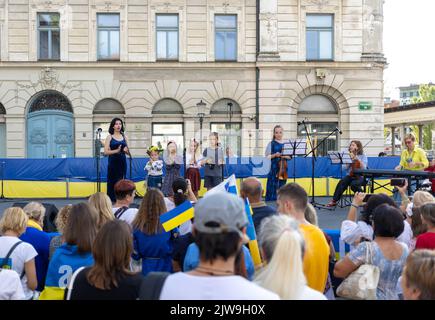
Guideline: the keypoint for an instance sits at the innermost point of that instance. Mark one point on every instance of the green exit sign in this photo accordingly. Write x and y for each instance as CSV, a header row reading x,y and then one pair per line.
x,y
365,106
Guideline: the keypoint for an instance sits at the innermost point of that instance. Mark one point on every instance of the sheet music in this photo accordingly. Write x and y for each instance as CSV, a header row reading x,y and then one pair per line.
x,y
296,147
340,157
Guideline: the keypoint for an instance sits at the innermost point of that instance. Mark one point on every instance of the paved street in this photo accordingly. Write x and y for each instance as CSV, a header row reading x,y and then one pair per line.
x,y
327,219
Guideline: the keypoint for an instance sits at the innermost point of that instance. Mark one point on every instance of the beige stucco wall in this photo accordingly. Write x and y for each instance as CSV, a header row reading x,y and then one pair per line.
x,y
137,81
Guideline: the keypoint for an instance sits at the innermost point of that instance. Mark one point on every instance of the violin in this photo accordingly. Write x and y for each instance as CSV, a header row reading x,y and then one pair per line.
x,y
356,164
282,173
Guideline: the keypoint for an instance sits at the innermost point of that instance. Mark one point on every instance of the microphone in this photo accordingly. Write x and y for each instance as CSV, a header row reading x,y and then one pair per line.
x,y
301,122
99,130
337,129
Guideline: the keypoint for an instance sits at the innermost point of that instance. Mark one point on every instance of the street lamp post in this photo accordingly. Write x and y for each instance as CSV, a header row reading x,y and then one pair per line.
x,y
200,105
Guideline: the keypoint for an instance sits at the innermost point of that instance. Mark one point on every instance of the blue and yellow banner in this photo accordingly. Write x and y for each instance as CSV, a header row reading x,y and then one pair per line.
x,y
177,216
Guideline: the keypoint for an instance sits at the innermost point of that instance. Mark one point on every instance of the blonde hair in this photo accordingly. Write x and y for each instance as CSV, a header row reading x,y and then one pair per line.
x,y
410,136
419,273
283,247
422,197
62,217
102,203
35,211
13,219
311,214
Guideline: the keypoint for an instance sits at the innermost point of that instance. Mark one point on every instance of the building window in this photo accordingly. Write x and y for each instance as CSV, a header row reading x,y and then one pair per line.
x,y
167,36
162,133
319,131
108,36
226,37
48,36
231,140
320,37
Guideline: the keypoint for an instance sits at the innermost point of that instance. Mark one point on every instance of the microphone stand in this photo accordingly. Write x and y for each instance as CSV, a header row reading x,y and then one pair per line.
x,y
97,159
313,159
2,196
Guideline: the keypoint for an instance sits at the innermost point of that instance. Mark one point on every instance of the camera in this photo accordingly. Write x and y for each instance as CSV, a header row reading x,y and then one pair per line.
x,y
397,182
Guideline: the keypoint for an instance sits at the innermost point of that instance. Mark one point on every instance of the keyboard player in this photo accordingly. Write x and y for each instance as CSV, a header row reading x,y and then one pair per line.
x,y
412,158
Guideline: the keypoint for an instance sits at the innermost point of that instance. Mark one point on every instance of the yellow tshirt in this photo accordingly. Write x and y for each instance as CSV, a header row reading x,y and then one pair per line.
x,y
417,155
316,258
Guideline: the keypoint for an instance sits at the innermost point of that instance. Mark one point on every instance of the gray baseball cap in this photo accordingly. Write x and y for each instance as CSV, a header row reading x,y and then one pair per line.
x,y
220,212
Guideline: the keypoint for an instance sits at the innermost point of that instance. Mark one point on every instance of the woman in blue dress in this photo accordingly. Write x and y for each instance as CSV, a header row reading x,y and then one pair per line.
x,y
273,152
116,148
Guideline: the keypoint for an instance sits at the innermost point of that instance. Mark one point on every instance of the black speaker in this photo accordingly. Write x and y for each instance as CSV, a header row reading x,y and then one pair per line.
x,y
50,215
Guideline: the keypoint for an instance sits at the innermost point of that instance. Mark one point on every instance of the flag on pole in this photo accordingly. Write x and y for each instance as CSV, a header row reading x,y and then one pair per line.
x,y
230,185
253,243
177,216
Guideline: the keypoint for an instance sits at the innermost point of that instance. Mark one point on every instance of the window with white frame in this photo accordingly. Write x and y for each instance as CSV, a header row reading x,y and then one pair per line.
x,y
167,36
48,36
320,36
162,133
225,37
108,36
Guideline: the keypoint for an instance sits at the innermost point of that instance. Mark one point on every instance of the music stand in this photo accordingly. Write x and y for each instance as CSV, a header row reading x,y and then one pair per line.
x,y
343,157
294,148
2,196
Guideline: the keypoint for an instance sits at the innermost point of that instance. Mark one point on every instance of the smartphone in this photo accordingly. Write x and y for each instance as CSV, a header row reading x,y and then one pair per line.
x,y
367,197
397,182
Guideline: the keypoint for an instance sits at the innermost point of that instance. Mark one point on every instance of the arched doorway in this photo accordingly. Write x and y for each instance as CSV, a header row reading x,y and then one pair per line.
x,y
50,126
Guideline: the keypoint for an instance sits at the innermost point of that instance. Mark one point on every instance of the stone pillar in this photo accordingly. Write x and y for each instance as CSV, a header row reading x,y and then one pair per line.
x,y
373,20
402,135
268,30
393,141
420,135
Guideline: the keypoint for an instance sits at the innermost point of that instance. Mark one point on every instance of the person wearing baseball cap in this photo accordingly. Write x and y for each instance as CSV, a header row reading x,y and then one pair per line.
x,y
219,229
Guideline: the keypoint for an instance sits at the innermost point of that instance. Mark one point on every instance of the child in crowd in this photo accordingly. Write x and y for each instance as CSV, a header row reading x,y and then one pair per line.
x,y
155,168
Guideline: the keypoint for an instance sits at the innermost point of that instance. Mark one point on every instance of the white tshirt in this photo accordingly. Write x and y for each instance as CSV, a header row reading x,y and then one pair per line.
x,y
184,228
407,235
212,288
311,294
23,253
128,215
10,285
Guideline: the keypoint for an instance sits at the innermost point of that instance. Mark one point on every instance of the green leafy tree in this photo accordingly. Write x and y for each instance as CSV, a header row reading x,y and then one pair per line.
x,y
427,93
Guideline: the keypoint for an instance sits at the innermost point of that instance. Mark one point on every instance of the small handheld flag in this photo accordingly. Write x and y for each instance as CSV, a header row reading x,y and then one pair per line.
x,y
253,243
172,219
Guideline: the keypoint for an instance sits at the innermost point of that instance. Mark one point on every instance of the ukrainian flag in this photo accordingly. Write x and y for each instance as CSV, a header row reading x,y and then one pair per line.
x,y
172,219
253,243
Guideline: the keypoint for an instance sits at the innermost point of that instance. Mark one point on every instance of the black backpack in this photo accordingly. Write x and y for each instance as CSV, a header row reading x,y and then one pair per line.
x,y
118,213
4,264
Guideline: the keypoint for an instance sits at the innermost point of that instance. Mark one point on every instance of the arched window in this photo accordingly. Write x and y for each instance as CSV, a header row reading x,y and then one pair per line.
x,y
163,130
227,121
50,100
321,115
2,131
104,111
108,106
167,106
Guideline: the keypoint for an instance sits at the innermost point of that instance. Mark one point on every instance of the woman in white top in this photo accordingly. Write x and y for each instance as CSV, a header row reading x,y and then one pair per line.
x,y
22,258
356,229
282,246
193,156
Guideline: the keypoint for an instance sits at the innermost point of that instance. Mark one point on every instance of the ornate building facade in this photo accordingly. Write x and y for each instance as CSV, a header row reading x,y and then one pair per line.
x,y
176,70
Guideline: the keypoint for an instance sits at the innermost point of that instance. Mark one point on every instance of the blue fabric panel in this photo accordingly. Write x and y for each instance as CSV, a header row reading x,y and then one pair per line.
x,y
78,169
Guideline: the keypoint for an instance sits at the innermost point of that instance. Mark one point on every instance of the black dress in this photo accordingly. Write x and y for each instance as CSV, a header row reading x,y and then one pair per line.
x,y
117,166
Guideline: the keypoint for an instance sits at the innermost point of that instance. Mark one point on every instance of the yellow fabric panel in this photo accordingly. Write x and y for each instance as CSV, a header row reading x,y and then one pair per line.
x,y
52,293
57,189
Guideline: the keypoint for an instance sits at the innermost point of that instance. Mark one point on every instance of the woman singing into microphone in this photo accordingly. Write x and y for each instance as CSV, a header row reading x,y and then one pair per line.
x,y
277,176
359,161
116,148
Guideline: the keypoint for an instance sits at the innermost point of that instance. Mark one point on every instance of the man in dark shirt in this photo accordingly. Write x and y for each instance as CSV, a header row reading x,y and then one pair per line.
x,y
252,189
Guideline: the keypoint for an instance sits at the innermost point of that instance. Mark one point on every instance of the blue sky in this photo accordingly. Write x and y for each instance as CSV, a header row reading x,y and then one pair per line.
x,y
409,46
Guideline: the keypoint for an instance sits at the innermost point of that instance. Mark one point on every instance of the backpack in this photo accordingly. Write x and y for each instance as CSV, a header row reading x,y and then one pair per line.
x,y
4,264
118,213
152,284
